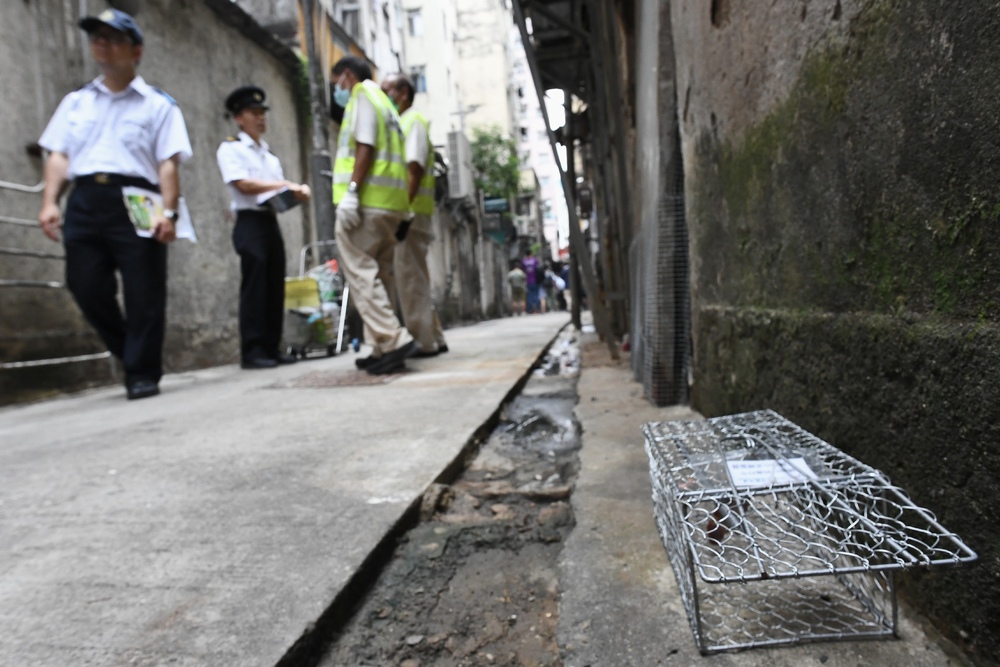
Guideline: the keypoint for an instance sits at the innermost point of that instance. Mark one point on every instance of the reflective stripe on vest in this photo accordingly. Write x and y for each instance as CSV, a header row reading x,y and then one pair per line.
x,y
423,202
385,185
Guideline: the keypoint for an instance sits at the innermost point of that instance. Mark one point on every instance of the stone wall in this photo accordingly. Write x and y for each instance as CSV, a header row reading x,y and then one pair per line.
x,y
197,57
841,171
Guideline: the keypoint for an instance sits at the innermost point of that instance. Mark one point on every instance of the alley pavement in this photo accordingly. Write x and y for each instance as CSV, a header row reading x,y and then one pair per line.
x,y
213,524
619,601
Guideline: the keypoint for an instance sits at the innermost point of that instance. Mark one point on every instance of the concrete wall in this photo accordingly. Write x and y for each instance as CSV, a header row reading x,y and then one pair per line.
x,y
484,70
197,58
841,178
435,50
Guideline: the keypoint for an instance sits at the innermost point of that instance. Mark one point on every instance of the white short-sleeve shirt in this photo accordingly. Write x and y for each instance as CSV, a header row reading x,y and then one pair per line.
x,y
417,147
130,132
365,121
245,158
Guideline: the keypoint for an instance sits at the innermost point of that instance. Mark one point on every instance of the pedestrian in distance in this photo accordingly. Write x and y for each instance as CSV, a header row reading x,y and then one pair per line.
x,y
370,193
253,174
412,277
117,131
533,285
558,287
518,282
564,277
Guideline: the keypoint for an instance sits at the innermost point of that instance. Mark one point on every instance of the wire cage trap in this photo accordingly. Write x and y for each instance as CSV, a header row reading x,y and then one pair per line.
x,y
777,537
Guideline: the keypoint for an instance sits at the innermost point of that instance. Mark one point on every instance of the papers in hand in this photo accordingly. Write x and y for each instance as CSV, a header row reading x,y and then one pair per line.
x,y
278,200
144,206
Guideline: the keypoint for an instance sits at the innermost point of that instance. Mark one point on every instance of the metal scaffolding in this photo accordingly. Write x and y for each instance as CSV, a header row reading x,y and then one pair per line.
x,y
638,279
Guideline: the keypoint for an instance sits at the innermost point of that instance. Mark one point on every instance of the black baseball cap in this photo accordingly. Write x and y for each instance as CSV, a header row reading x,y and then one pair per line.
x,y
114,18
246,97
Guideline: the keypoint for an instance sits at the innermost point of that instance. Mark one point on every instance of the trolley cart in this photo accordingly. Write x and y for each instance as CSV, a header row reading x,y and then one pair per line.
x,y
312,310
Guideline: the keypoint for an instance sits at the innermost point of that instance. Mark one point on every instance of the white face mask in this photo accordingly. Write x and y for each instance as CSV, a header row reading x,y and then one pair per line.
x,y
341,95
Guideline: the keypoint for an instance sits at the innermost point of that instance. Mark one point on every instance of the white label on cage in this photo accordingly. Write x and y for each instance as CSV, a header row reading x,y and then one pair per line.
x,y
762,474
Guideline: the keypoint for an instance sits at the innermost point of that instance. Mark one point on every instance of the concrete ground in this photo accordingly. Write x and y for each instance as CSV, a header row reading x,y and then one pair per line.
x,y
620,604
213,524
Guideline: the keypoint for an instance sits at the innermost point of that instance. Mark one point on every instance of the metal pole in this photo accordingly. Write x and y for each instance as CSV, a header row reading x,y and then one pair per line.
x,y
481,257
320,164
578,245
571,202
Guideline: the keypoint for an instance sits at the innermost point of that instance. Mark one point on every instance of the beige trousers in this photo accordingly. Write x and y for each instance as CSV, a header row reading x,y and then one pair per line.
x,y
365,254
413,282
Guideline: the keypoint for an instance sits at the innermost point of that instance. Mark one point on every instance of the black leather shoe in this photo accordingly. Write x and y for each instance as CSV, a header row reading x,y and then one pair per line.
x,y
426,353
141,389
442,348
258,362
286,359
362,364
394,361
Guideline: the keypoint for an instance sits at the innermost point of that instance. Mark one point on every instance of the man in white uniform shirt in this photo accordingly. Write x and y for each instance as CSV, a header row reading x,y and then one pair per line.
x,y
114,132
250,170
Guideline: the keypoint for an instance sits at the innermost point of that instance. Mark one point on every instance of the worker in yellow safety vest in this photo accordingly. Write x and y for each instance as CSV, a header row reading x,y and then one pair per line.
x,y
413,282
369,191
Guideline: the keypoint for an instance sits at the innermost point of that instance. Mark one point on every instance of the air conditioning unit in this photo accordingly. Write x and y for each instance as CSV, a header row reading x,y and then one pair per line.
x,y
460,181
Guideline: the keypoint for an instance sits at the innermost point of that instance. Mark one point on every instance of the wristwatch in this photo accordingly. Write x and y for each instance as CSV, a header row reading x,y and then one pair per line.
x,y
353,187
170,214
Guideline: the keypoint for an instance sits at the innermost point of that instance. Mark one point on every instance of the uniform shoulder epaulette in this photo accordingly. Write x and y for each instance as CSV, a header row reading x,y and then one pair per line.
x,y
231,138
161,92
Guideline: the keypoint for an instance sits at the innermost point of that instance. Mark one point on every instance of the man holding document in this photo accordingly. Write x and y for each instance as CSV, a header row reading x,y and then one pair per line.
x,y
258,189
115,133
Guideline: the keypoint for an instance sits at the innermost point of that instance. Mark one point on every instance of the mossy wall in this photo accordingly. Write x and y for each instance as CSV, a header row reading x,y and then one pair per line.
x,y
843,184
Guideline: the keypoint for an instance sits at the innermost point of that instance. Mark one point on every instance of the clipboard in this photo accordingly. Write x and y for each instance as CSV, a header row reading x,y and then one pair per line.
x,y
281,201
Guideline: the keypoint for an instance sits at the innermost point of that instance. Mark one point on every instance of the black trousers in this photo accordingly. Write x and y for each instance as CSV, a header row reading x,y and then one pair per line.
x,y
100,240
257,239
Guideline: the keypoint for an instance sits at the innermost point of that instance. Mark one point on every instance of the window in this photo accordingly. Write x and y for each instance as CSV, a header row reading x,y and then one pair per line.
x,y
419,77
350,20
414,23
524,132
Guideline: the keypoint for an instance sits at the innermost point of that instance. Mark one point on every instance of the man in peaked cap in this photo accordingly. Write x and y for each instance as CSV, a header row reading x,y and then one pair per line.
x,y
117,131
253,174
116,20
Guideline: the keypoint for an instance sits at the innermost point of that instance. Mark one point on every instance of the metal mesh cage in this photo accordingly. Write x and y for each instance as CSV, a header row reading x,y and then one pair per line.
x,y
776,536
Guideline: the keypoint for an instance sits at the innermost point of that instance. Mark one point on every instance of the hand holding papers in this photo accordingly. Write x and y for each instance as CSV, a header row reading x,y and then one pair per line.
x,y
145,206
284,199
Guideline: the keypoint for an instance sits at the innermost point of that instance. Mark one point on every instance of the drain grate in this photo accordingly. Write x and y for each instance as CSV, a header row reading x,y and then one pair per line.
x,y
331,379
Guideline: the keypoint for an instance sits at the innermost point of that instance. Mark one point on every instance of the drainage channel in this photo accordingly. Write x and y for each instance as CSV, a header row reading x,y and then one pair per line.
x,y
475,581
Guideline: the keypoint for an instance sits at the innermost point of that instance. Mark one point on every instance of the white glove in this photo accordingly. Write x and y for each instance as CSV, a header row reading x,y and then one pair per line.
x,y
348,215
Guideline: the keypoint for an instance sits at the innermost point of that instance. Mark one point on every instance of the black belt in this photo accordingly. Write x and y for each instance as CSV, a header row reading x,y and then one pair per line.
x,y
117,180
